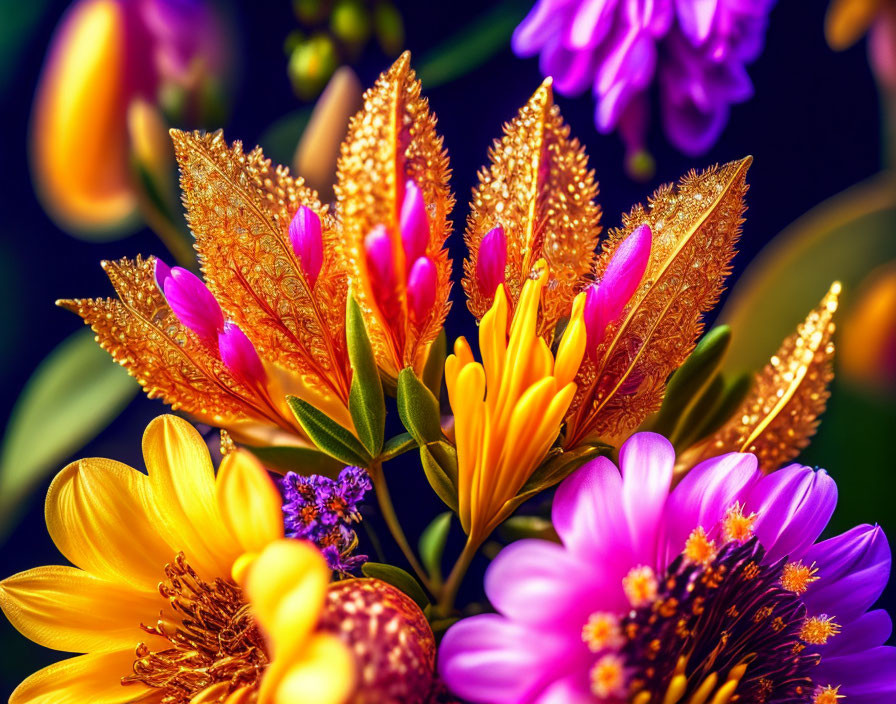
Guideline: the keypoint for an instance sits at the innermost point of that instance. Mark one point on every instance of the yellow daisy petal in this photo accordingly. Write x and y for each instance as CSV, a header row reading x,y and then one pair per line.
x,y
97,514
325,675
182,480
86,679
286,586
249,502
65,608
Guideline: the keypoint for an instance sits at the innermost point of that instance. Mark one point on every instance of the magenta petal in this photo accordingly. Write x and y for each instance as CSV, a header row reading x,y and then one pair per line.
x,y
239,355
793,506
378,247
491,261
868,631
307,242
573,689
625,271
588,516
194,305
414,223
422,287
647,461
868,677
704,495
695,17
161,272
853,569
543,21
492,660
540,583
591,23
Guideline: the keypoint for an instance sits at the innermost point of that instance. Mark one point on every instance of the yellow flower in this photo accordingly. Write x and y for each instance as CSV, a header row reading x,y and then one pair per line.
x,y
508,410
848,20
183,588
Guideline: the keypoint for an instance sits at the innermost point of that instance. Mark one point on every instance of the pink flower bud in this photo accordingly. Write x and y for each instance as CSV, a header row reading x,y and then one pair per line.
x,y
378,246
193,304
414,223
492,260
422,286
239,356
307,242
161,272
605,300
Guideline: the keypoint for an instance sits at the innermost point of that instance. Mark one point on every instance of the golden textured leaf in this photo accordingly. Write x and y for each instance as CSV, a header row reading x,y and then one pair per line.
x,y
782,411
143,335
392,139
239,208
695,226
539,189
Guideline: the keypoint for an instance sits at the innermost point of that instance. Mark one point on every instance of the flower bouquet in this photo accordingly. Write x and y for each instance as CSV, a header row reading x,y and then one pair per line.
x,y
681,561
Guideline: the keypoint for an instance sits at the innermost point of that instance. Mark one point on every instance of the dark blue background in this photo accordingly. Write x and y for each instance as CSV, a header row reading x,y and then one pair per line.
x,y
813,129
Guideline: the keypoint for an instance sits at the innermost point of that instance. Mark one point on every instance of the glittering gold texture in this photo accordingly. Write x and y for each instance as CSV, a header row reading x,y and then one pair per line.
x,y
391,140
390,638
695,226
239,208
142,334
781,413
539,189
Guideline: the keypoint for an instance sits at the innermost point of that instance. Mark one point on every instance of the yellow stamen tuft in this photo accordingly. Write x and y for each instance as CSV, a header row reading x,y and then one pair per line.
x,y
827,695
601,631
797,577
819,629
737,526
640,585
699,549
608,677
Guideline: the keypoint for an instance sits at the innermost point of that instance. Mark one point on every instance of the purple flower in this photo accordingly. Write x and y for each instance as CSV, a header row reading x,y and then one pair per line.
x,y
696,50
721,577
322,510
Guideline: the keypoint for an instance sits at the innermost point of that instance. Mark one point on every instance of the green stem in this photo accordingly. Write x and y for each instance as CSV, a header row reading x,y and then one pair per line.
x,y
452,584
384,500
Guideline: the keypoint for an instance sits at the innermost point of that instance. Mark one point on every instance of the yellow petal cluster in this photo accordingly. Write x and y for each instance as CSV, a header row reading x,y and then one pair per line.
x,y
508,409
120,528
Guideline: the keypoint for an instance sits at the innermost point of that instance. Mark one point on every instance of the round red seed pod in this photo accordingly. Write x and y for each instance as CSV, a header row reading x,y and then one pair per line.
x,y
390,637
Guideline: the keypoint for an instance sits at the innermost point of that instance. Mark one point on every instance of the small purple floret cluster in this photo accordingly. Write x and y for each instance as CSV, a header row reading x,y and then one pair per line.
x,y
322,510
695,50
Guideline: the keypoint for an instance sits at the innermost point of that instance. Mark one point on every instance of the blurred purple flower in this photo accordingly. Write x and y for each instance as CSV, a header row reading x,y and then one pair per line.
x,y
696,51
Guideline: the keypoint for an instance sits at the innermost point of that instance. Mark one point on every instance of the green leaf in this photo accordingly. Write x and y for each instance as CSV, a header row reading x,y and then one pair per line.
x,y
72,395
435,364
365,401
301,460
704,407
440,473
397,446
691,378
399,579
280,140
556,468
519,527
432,545
733,396
328,435
474,45
418,408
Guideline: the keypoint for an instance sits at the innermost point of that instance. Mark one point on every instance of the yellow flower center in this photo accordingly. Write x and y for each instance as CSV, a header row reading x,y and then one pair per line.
x,y
640,585
601,631
827,695
699,549
216,649
797,577
819,629
737,526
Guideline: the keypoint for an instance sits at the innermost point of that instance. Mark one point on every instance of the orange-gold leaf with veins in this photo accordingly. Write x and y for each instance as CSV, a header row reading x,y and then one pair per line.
x,y
781,412
695,225
392,139
239,208
539,189
143,335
